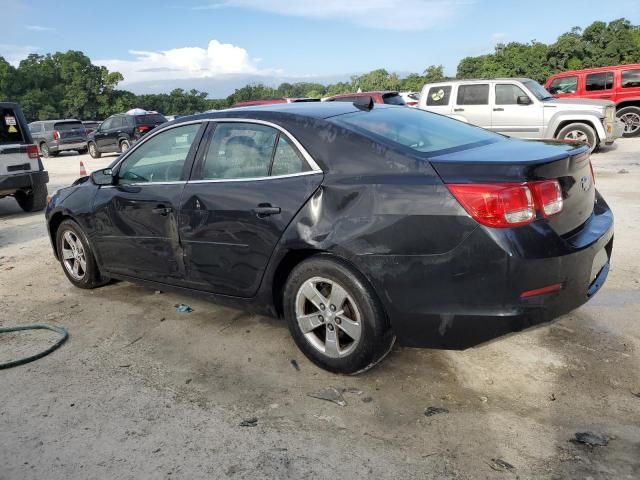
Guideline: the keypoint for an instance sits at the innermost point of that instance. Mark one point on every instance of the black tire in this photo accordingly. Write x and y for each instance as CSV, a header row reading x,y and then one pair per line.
x,y
580,128
34,201
91,277
631,117
44,150
93,150
376,337
124,146
82,151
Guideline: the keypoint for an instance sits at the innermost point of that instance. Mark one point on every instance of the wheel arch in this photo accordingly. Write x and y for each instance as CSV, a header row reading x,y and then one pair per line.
x,y
597,128
628,102
54,224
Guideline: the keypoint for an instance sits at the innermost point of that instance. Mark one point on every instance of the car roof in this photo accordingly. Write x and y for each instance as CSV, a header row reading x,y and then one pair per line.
x,y
365,94
318,110
476,80
630,66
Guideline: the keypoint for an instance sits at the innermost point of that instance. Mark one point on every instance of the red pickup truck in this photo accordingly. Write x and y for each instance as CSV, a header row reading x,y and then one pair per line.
x,y
619,83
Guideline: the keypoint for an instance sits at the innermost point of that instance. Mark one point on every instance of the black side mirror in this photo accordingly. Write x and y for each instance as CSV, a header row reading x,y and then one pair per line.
x,y
102,177
524,100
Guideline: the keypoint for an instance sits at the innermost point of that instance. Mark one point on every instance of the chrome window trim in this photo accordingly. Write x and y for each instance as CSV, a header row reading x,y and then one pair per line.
x,y
315,168
255,179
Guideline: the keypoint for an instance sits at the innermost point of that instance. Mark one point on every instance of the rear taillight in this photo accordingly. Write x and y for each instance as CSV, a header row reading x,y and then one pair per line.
x,y
143,129
32,151
56,135
548,197
505,205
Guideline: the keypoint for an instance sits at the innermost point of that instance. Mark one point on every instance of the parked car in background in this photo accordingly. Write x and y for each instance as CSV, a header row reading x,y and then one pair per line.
x,y
384,97
91,125
118,132
411,99
619,83
22,174
406,224
272,101
522,108
55,136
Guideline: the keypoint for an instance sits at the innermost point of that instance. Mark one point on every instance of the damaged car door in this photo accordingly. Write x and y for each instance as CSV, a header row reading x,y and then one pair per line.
x,y
136,230
249,181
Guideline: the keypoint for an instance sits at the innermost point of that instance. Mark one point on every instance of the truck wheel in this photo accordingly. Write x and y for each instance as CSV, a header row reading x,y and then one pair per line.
x,y
93,151
34,201
44,150
335,317
579,132
630,116
124,146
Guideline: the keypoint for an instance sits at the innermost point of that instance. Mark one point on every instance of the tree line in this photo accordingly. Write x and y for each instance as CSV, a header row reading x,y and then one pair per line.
x,y
68,85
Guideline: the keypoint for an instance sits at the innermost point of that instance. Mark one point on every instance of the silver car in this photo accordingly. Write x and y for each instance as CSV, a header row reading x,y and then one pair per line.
x,y
521,107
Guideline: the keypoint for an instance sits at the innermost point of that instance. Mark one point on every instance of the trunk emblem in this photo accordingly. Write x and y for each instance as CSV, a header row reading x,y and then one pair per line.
x,y
585,183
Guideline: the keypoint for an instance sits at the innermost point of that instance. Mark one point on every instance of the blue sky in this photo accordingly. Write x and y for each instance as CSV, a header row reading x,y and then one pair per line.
x,y
216,45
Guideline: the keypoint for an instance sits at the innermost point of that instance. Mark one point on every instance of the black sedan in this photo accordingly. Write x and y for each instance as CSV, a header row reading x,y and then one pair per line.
x,y
356,223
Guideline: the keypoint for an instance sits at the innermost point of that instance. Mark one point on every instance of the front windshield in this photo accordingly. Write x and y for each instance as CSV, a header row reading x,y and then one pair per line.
x,y
538,90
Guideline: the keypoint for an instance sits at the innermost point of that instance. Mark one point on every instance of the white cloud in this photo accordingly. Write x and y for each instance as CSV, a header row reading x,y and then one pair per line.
x,y
187,62
15,53
384,14
498,37
39,28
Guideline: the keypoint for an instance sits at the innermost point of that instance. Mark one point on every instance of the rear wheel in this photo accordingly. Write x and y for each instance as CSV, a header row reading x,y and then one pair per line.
x,y
579,132
335,317
630,116
35,200
93,151
76,256
44,150
124,146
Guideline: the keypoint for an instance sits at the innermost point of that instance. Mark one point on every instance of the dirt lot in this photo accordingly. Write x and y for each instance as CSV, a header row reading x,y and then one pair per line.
x,y
141,391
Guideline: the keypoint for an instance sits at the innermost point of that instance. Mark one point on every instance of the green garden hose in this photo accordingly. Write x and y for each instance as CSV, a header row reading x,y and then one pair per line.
x,y
36,326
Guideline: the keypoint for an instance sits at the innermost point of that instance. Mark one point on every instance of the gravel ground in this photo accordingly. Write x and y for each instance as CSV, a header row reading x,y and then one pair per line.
x,y
141,391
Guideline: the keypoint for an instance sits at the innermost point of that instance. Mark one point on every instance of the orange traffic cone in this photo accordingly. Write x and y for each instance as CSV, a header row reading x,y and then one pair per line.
x,y
83,171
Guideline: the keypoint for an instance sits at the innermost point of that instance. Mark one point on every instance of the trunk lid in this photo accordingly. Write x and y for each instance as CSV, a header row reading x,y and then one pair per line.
x,y
517,161
70,131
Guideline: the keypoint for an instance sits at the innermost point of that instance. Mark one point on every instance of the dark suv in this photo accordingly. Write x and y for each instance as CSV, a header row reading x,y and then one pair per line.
x,y
21,172
118,132
55,136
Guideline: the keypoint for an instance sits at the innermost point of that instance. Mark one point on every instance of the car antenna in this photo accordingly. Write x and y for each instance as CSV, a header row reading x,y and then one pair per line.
x,y
363,103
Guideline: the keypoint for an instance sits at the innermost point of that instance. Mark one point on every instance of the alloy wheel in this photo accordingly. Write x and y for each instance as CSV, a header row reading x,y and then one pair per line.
x,y
73,255
631,122
577,136
92,149
328,317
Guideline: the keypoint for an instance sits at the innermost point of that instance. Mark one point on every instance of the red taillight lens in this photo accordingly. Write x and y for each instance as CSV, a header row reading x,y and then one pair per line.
x,y
32,151
143,128
548,197
501,205
56,135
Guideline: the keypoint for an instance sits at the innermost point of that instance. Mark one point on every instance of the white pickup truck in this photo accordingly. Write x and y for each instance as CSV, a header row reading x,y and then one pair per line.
x,y
22,174
521,107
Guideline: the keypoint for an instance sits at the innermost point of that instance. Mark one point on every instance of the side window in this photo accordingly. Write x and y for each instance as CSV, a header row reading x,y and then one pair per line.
x,y
564,85
116,122
239,150
287,160
507,94
631,78
48,127
159,159
439,96
599,81
106,125
473,94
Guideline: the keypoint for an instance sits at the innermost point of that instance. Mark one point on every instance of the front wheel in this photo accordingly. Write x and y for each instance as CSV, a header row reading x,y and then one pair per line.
x,y
93,151
581,133
76,256
335,317
630,116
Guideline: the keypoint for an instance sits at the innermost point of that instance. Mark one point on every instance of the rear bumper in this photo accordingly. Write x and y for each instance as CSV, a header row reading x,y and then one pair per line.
x,y
472,294
73,145
13,183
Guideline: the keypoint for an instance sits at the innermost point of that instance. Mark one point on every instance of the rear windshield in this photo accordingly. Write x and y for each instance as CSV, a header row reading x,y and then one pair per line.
x,y
393,99
419,130
151,119
10,131
67,125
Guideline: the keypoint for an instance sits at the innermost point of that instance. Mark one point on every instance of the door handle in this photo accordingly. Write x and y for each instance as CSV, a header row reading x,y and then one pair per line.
x,y
264,210
605,96
162,210
458,109
498,109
